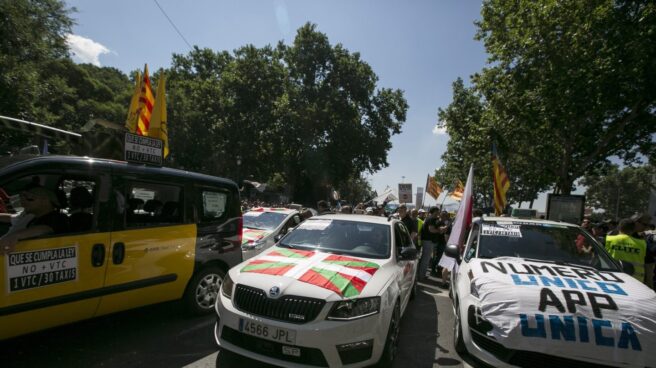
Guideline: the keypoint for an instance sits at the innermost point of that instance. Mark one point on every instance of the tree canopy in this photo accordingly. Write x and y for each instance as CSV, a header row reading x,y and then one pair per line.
x,y
568,85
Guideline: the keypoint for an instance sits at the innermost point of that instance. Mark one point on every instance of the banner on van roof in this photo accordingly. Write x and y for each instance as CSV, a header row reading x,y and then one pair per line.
x,y
143,150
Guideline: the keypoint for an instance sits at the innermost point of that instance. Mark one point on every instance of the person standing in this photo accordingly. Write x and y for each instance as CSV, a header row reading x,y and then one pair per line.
x,y
642,225
626,248
409,222
429,238
420,223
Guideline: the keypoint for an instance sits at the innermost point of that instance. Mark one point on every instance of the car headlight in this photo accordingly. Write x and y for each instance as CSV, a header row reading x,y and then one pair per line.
x,y
226,287
253,245
348,310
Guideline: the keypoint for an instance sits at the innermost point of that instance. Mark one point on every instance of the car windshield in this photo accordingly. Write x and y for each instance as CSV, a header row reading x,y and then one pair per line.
x,y
543,242
263,220
354,238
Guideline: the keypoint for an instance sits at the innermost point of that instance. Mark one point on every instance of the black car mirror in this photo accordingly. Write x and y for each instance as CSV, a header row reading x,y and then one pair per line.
x,y
627,268
408,254
453,251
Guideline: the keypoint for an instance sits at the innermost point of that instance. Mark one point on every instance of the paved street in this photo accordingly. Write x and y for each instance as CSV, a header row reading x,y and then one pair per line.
x,y
164,336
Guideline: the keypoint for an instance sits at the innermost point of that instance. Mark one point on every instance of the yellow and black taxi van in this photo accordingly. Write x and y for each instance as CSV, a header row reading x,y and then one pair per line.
x,y
136,235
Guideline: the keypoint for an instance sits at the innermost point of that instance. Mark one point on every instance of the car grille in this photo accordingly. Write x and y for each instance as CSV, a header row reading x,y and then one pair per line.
x,y
528,359
308,356
289,308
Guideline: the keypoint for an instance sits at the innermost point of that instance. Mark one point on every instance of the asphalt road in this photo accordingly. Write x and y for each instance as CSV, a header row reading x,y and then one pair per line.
x,y
165,336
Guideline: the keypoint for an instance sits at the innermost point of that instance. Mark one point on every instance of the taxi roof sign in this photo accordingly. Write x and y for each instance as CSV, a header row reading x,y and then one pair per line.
x,y
143,150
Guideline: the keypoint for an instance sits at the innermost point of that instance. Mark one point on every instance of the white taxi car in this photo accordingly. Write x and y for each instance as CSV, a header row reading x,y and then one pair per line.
x,y
262,225
330,293
532,293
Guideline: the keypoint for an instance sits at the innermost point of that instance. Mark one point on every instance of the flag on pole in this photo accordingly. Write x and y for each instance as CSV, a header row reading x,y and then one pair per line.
x,y
131,120
458,192
432,188
158,123
146,101
462,222
501,182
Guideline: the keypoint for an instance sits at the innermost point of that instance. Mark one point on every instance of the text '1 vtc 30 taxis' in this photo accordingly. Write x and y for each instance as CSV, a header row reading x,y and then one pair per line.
x,y
330,293
532,293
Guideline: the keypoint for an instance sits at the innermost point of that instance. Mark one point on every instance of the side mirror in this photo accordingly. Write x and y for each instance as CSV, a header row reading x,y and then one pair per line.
x,y
628,268
408,254
453,251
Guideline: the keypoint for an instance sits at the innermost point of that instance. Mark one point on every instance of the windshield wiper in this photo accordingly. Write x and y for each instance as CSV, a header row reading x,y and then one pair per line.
x,y
253,227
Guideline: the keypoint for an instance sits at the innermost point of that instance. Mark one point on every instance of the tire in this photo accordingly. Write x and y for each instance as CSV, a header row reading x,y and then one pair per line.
x,y
392,340
203,290
458,341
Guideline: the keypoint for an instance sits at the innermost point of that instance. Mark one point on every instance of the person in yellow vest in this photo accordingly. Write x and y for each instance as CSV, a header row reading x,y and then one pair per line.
x,y
624,247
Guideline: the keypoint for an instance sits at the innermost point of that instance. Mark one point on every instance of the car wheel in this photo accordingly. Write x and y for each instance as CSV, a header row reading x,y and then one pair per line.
x,y
392,341
458,341
203,290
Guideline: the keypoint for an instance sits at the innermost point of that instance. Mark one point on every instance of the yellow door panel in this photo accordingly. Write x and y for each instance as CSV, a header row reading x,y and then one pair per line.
x,y
155,265
51,281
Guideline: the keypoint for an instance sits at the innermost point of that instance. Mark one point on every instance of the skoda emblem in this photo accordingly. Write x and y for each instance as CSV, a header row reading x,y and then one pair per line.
x,y
274,291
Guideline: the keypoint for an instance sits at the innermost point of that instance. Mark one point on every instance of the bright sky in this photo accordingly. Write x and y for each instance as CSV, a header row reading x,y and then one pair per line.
x,y
420,47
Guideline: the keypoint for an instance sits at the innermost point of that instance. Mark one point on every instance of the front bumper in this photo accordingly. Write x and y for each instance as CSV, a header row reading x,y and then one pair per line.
x,y
487,349
316,340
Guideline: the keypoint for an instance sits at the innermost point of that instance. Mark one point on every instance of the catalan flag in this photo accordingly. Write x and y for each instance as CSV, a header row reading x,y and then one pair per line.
x,y
131,120
146,102
158,124
432,188
458,191
501,183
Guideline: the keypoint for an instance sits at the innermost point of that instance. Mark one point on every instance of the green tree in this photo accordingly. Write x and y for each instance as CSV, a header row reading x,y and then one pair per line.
x,y
570,83
620,192
32,33
356,190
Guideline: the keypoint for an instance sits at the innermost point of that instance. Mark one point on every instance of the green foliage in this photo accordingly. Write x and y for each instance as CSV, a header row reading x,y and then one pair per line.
x,y
309,111
626,190
356,190
571,83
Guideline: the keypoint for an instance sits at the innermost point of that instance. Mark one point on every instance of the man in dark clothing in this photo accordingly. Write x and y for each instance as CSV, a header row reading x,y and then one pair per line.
x,y
429,238
409,222
42,203
642,223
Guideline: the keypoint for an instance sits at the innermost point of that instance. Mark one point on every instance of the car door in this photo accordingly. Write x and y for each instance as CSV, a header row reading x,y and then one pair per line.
x,y
470,252
152,244
57,279
407,267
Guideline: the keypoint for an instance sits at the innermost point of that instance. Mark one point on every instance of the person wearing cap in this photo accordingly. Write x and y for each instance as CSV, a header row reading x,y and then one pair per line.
x,y
43,205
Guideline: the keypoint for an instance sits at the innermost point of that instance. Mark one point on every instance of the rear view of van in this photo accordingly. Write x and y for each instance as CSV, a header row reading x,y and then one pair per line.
x,y
131,235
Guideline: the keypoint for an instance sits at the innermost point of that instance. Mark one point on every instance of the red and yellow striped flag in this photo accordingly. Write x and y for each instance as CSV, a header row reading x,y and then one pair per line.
x,y
458,191
501,183
131,120
432,188
146,102
158,125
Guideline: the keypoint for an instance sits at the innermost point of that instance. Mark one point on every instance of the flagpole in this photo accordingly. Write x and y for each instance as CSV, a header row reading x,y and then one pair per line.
x,y
425,190
446,193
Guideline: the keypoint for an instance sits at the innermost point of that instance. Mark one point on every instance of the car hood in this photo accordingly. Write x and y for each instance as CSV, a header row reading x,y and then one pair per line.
x,y
566,311
313,274
253,235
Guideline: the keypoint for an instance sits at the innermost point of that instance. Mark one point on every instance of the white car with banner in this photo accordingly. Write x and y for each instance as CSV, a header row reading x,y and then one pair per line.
x,y
330,293
535,293
262,225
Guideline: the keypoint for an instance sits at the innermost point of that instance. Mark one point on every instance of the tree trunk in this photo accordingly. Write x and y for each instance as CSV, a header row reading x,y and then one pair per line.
x,y
531,204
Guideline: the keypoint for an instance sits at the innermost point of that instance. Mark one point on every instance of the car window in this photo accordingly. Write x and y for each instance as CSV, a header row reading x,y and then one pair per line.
x,y
262,220
213,205
472,244
543,242
341,237
153,204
